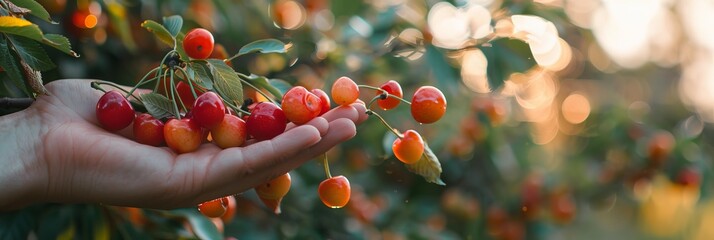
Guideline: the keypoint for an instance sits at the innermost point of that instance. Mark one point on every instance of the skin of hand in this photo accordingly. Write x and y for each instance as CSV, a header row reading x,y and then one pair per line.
x,y
55,151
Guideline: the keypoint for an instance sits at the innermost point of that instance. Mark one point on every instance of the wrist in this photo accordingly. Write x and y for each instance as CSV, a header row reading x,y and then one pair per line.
x,y
20,175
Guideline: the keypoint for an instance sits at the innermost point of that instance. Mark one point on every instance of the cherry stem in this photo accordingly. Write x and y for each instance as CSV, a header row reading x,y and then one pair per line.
x,y
233,106
244,81
190,84
173,89
179,95
394,130
326,164
96,85
385,92
143,81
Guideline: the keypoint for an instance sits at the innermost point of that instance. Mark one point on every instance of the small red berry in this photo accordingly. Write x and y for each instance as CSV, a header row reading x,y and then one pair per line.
x,y
301,106
409,148
335,192
198,43
428,104
148,130
214,208
266,121
345,91
392,87
208,110
184,93
324,100
114,111
272,192
231,132
183,135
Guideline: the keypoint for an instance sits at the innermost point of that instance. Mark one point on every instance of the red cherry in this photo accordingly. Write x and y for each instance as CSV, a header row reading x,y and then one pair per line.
x,y
148,130
392,87
214,208
208,110
688,177
231,132
266,121
230,209
324,100
409,148
271,193
114,111
183,135
335,192
198,43
301,106
345,91
428,104
184,92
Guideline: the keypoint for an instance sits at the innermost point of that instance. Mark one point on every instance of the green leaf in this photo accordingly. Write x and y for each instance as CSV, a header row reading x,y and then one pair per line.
x,y
428,166
160,31
8,63
16,225
32,53
202,226
276,87
35,9
198,71
226,81
173,24
21,27
60,43
263,46
157,105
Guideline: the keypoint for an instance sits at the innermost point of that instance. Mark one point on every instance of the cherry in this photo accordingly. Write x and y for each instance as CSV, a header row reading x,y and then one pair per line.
x,y
230,209
208,110
266,121
184,93
660,146
198,43
231,132
219,52
324,100
114,111
688,177
428,104
301,106
409,148
344,91
392,87
214,208
148,130
183,135
273,191
562,207
335,191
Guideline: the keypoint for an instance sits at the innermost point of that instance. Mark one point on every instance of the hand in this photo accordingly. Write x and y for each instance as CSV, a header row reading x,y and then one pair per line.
x,y
55,151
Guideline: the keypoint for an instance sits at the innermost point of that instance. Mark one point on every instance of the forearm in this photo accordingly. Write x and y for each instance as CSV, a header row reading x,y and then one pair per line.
x,y
19,175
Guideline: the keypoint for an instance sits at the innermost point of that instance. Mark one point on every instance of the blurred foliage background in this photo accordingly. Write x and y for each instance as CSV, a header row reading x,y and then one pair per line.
x,y
567,119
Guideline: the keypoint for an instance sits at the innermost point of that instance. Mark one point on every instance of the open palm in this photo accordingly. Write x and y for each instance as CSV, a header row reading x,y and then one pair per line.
x,y
61,155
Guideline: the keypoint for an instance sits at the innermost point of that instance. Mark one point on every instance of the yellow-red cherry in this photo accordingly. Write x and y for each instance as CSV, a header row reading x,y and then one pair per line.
x,y
324,100
114,112
273,191
183,135
392,87
335,191
148,130
231,132
198,43
428,104
214,208
300,105
344,91
409,148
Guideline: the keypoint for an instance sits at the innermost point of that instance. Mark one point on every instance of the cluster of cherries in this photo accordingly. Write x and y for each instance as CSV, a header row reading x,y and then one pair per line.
x,y
207,114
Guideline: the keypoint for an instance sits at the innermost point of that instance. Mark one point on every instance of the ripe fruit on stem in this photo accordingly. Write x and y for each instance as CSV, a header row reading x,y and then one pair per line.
x,y
409,148
183,135
208,110
198,43
324,100
273,191
114,111
148,130
266,121
428,104
344,91
231,132
392,87
335,191
184,93
214,208
301,106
